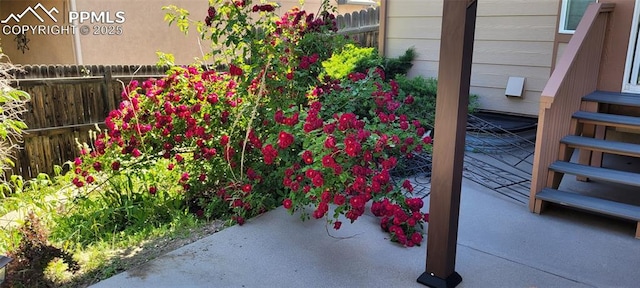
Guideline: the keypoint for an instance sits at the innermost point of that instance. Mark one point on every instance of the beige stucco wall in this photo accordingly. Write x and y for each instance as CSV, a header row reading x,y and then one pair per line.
x,y
43,49
144,32
513,38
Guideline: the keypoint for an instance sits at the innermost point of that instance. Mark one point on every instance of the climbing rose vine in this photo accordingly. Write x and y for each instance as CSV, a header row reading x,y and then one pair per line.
x,y
266,129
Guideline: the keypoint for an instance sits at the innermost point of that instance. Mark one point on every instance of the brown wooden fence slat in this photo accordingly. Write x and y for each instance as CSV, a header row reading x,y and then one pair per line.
x,y
361,26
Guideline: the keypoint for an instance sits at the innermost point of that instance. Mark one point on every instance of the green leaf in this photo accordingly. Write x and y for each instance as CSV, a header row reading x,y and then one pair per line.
x,y
9,162
165,59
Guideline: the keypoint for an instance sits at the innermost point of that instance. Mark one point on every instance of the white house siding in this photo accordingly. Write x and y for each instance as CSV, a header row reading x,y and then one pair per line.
x,y
513,38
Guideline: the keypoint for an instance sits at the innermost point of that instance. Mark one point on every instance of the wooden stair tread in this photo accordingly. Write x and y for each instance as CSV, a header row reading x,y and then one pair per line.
x,y
604,174
607,119
613,98
606,146
592,204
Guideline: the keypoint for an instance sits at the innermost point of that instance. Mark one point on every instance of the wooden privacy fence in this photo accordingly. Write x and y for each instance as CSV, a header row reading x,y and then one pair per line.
x,y
66,102
362,26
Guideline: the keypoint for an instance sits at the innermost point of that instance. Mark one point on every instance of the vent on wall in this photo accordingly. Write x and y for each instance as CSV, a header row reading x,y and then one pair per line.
x,y
515,87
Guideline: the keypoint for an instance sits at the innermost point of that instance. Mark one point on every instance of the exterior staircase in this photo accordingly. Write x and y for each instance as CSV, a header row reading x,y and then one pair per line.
x,y
588,127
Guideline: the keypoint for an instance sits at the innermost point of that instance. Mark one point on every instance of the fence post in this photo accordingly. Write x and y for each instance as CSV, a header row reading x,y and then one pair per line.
x,y
107,87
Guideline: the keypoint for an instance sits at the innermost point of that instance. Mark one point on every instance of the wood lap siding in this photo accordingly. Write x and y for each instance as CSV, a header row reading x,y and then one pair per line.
x,y
513,38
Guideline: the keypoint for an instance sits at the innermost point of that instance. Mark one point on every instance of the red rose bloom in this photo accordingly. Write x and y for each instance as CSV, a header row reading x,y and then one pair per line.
x,y
357,202
352,146
330,143
235,70
269,154
328,161
310,173
307,156
407,185
285,140
224,140
318,181
246,188
415,204
409,100
287,203
404,125
77,182
416,238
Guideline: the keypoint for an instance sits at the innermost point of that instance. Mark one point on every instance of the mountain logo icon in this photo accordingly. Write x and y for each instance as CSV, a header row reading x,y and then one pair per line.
x,y
33,10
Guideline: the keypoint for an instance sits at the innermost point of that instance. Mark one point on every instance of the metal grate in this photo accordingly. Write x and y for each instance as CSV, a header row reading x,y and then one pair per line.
x,y
499,159
495,157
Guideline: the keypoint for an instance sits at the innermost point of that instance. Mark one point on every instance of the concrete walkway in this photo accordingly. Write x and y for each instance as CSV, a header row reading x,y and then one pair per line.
x,y
500,244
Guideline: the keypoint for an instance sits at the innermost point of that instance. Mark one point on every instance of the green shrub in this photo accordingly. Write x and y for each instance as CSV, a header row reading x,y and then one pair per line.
x,y
424,91
127,202
401,65
41,196
358,59
351,59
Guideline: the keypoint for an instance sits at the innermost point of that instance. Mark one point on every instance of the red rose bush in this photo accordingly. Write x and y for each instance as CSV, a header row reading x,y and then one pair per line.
x,y
265,129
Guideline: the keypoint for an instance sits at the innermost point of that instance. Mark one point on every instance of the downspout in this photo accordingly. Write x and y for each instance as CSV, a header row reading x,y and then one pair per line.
x,y
382,28
77,47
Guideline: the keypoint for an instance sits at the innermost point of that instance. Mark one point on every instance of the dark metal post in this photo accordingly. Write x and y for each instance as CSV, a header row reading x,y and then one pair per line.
x,y
454,75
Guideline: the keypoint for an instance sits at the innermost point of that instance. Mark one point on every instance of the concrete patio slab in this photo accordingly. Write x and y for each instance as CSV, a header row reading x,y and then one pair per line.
x,y
500,244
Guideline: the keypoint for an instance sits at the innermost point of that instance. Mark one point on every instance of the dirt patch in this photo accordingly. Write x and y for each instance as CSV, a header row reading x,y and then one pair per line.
x,y
157,247
136,259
